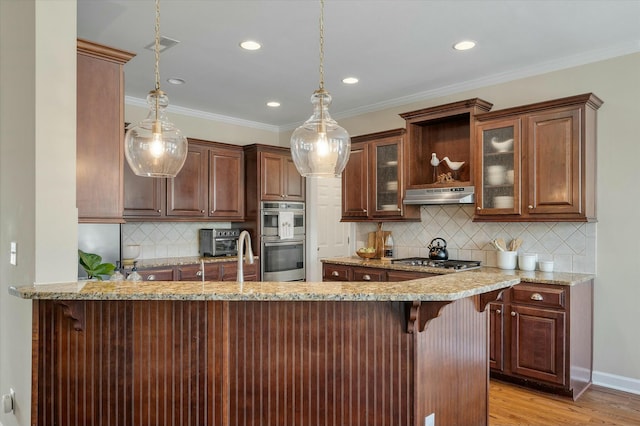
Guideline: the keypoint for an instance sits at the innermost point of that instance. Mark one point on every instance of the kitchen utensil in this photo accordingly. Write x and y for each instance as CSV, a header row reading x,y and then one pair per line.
x,y
496,245
545,265
437,251
507,260
515,244
502,146
503,202
527,261
501,243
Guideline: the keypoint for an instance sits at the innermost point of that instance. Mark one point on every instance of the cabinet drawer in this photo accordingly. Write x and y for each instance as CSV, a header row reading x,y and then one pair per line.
x,y
374,275
230,271
406,275
549,296
193,272
164,274
332,272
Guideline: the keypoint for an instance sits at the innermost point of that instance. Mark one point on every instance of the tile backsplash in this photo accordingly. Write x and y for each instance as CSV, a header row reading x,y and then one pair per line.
x,y
571,245
166,239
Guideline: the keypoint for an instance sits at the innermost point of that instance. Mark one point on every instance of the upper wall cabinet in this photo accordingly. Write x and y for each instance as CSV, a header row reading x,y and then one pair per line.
x,y
373,180
538,162
447,131
100,132
210,186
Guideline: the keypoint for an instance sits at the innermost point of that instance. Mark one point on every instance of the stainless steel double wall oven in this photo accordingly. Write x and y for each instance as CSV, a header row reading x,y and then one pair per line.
x,y
282,254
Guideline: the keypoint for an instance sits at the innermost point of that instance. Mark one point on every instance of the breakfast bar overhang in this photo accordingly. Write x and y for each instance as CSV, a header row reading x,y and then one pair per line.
x,y
263,353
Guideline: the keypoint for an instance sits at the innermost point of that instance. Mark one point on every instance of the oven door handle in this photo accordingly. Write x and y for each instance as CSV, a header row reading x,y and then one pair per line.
x,y
282,243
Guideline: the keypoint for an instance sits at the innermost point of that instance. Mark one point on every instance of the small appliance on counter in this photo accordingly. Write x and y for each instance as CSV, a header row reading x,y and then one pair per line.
x,y
218,242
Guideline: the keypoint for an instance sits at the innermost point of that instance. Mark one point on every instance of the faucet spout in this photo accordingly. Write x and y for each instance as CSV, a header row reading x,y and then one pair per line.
x,y
243,239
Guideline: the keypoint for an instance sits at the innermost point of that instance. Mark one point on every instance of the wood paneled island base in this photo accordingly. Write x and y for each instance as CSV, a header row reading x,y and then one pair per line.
x,y
220,362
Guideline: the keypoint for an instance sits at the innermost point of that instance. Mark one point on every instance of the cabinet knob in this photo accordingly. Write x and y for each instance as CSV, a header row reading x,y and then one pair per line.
x,y
199,274
335,274
151,277
366,277
513,314
530,206
159,211
478,208
283,196
498,311
537,296
201,211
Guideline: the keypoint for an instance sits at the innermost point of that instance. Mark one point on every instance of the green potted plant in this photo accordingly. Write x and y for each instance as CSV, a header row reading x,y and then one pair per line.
x,y
93,266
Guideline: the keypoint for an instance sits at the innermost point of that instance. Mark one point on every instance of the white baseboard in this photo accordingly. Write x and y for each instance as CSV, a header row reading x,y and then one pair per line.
x,y
625,384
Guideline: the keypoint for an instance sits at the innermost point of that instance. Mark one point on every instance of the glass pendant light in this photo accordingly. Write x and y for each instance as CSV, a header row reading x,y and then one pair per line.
x,y
155,147
320,147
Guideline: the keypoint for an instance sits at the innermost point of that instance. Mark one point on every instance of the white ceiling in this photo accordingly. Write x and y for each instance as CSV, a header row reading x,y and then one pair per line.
x,y
401,50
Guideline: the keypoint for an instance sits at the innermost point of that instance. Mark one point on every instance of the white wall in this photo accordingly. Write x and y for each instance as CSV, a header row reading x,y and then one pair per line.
x,y
37,172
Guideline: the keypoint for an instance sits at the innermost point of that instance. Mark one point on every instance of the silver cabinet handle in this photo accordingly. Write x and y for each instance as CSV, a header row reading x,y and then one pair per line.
x,y
498,311
199,274
478,208
537,296
151,277
513,314
335,274
366,277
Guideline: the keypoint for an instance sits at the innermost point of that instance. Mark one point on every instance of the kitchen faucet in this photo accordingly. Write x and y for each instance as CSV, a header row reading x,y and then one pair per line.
x,y
244,237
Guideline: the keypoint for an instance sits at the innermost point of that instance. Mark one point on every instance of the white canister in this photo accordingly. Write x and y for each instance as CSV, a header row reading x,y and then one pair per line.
x,y
527,261
546,265
507,259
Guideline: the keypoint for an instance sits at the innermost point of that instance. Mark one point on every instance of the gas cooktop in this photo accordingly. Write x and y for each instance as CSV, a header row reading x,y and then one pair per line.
x,y
458,265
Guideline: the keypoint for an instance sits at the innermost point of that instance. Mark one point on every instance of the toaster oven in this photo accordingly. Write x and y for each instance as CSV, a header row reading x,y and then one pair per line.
x,y
218,242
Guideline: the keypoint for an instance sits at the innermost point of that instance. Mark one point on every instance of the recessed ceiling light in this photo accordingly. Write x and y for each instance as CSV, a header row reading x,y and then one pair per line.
x,y
350,80
250,45
273,104
464,45
176,81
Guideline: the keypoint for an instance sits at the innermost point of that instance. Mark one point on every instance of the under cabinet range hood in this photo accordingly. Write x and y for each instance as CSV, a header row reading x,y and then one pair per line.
x,y
449,195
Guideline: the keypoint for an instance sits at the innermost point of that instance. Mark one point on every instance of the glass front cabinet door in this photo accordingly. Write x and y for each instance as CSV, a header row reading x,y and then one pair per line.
x,y
387,193
498,173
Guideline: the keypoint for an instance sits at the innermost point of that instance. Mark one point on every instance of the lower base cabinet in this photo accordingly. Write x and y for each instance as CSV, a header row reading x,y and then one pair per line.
x,y
541,336
336,272
216,271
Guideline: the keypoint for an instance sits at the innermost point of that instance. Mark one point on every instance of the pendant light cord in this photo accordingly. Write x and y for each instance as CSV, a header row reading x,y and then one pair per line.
x,y
321,44
157,45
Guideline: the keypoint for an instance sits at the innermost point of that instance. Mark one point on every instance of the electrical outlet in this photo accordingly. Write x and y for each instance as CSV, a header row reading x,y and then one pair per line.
x,y
430,420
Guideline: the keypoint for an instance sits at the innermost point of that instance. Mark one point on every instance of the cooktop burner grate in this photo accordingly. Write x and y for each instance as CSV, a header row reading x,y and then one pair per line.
x,y
444,264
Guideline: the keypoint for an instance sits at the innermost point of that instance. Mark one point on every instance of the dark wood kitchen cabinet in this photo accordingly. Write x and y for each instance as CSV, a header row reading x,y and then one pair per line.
x,y
187,192
213,271
100,132
339,272
448,131
280,180
548,171
373,180
210,186
541,336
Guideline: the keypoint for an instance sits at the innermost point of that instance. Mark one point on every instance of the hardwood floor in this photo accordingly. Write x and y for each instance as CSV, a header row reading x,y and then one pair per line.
x,y
511,405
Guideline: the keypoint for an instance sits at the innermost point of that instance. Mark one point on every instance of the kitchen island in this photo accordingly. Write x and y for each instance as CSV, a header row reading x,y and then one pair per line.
x,y
262,353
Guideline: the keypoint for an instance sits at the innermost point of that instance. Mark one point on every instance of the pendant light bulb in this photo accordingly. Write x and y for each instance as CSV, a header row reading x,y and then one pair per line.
x,y
155,147
320,147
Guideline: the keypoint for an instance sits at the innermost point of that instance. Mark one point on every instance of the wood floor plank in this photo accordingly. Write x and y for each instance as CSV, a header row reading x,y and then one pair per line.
x,y
511,405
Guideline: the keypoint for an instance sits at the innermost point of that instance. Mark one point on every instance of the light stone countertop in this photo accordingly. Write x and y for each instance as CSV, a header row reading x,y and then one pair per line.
x,y
558,278
440,288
